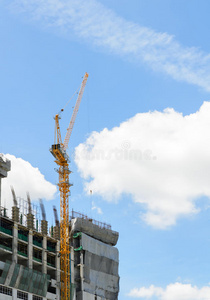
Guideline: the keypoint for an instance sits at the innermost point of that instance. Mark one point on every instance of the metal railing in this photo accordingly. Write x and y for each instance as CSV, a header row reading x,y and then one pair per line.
x,y
102,225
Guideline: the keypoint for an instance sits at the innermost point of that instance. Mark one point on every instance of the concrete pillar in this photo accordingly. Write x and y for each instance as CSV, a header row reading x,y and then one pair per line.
x,y
19,275
72,269
14,294
30,297
57,264
10,274
15,213
56,232
44,255
15,242
44,226
82,272
30,249
30,221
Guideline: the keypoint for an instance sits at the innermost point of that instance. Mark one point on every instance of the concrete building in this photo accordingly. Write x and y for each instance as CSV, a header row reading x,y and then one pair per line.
x,y
30,257
29,263
5,167
95,260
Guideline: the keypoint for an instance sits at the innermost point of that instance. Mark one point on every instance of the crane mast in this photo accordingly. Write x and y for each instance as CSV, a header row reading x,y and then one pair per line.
x,y
58,150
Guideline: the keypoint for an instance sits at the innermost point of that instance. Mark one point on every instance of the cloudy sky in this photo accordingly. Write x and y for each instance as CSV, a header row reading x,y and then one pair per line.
x,y
141,141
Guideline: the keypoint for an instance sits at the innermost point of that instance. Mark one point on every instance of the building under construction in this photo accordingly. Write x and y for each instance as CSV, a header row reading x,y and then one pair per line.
x,y
30,254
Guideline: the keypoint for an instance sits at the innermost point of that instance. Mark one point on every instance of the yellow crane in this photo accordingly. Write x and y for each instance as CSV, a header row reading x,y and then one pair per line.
x,y
58,150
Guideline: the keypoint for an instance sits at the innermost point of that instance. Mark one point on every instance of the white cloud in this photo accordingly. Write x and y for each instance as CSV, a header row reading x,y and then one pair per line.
x,y
174,291
94,23
25,178
98,209
161,159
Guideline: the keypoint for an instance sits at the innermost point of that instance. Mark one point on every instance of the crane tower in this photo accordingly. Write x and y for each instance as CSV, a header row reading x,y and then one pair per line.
x,y
58,150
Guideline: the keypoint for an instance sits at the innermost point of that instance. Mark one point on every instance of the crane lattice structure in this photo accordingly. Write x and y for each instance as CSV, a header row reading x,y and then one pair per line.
x,y
58,150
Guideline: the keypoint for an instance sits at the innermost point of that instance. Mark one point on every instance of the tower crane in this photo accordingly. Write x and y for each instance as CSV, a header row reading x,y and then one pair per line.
x,y
58,150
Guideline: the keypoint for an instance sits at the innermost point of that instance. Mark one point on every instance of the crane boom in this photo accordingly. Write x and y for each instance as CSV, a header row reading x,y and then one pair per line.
x,y
58,150
57,131
75,111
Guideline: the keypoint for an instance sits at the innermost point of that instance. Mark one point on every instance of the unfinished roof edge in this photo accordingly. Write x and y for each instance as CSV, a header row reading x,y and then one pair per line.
x,y
5,166
104,235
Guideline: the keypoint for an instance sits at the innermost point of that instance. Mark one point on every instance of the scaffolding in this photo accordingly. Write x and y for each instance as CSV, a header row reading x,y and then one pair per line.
x,y
24,210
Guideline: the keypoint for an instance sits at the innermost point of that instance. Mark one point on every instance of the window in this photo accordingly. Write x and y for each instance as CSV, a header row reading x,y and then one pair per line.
x,y
22,295
51,290
5,290
37,298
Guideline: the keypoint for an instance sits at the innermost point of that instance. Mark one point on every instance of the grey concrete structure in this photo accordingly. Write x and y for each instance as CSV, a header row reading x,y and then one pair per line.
x,y
5,166
29,263
98,231
96,261
30,259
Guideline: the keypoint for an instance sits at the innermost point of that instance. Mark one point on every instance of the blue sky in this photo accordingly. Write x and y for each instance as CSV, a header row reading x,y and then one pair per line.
x,y
141,139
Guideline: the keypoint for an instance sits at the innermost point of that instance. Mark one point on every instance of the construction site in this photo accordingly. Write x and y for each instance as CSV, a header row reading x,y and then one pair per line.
x,y
74,260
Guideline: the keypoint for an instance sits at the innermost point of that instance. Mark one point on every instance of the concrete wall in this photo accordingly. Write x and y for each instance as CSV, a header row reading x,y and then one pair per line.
x,y
96,268
5,297
18,268
104,235
88,296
